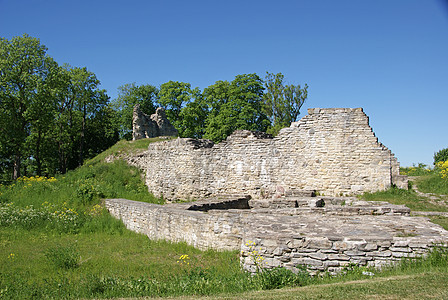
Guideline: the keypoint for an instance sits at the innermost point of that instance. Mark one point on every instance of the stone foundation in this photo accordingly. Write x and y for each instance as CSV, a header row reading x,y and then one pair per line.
x,y
321,233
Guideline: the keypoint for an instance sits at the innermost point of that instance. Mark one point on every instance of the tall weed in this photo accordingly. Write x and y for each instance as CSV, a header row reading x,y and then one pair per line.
x,y
63,257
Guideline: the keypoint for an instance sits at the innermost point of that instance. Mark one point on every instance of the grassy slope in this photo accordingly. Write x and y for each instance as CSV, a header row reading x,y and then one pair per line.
x,y
406,197
106,247
118,263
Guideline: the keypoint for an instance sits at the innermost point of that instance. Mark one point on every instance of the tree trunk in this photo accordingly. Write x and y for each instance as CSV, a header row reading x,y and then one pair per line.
x,y
38,161
16,171
81,144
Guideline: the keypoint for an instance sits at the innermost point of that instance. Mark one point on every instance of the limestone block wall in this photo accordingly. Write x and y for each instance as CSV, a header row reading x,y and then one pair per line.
x,y
290,238
323,241
329,253
331,150
203,231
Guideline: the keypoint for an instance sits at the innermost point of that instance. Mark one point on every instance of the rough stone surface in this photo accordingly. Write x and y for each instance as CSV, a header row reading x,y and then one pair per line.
x,y
333,151
144,126
326,238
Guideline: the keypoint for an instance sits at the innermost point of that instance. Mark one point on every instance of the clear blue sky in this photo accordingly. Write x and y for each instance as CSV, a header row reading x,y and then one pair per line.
x,y
388,56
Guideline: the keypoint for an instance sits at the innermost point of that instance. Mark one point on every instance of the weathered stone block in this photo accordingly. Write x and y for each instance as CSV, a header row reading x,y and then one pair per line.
x,y
271,262
331,263
401,243
354,253
318,243
386,253
368,247
342,245
318,255
310,262
338,257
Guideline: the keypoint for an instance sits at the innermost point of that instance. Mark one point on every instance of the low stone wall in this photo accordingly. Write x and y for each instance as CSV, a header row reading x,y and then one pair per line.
x,y
333,151
344,231
329,242
203,231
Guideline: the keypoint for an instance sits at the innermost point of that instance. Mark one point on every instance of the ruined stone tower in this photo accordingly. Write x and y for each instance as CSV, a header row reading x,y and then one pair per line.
x,y
144,126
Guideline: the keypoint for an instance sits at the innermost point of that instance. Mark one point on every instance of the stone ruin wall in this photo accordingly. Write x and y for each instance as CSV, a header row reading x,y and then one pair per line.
x,y
144,126
320,240
333,151
203,231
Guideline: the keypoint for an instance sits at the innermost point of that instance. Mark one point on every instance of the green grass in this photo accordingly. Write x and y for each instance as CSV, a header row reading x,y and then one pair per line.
x,y
433,184
83,187
429,180
405,197
127,147
440,220
57,241
108,264
411,279
430,285
127,264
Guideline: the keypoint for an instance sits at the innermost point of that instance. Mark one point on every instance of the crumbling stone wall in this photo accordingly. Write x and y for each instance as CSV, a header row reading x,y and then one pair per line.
x,y
144,126
343,232
332,150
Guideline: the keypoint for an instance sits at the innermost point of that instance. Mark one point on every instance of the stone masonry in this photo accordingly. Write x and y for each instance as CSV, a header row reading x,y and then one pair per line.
x,y
264,196
332,150
144,126
320,233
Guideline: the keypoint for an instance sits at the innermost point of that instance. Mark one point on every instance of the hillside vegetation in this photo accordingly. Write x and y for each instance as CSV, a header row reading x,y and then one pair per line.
x,y
58,241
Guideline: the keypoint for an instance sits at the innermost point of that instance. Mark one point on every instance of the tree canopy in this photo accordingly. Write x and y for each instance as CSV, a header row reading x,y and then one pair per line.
x,y
53,117
128,96
235,105
47,112
282,102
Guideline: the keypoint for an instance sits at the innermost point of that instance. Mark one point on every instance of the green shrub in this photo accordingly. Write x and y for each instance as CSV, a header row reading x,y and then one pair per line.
x,y
63,257
87,191
268,279
440,156
419,170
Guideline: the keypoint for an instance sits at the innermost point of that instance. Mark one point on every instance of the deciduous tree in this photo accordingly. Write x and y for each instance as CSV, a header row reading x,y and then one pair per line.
x,y
24,67
235,105
47,112
282,102
128,96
